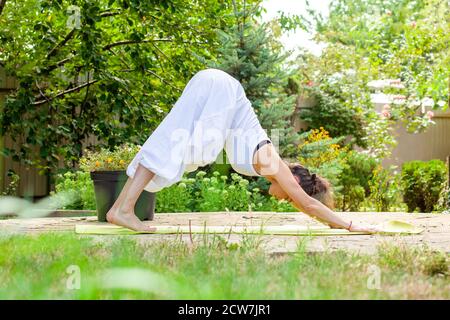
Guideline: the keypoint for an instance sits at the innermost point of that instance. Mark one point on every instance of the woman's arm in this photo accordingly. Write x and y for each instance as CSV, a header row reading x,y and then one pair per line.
x,y
270,165
304,202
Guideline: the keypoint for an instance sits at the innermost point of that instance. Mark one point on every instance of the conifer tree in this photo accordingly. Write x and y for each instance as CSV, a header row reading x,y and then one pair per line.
x,y
250,52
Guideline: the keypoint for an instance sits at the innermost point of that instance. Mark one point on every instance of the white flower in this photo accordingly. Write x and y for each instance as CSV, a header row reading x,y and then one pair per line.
x,y
380,98
377,84
350,72
415,103
441,103
337,75
427,102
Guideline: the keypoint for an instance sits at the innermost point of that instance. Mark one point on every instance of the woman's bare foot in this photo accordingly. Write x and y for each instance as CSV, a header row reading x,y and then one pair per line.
x,y
127,220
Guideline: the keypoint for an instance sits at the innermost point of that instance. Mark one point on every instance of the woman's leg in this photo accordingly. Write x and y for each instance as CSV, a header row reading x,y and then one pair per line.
x,y
122,212
210,94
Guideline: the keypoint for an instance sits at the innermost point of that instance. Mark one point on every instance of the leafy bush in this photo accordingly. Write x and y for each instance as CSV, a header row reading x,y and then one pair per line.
x,y
217,193
84,198
176,198
385,188
423,183
355,180
349,172
335,110
11,189
199,194
322,155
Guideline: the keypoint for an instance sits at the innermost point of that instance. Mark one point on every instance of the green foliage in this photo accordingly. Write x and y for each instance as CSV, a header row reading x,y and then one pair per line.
x,y
423,183
355,178
395,41
444,197
337,109
323,155
104,159
12,188
380,138
176,198
79,181
199,194
384,188
217,193
250,52
107,69
370,40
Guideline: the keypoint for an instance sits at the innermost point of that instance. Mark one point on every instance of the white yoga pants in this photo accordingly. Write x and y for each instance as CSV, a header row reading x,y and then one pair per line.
x,y
212,114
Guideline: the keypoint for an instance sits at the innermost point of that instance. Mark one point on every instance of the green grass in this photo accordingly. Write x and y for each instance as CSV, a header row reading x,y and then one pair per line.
x,y
35,267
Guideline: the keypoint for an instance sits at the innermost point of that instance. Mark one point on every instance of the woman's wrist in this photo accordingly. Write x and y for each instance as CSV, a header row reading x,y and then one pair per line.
x,y
349,226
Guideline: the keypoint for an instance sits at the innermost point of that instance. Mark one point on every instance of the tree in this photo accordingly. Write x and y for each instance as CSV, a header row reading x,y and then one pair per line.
x,y
250,52
105,68
383,39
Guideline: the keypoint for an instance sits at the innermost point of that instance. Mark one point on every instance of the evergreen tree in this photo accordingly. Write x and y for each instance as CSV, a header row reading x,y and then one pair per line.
x,y
250,52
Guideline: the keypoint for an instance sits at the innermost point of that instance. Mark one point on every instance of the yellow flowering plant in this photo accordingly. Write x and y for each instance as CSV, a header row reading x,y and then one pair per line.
x,y
323,155
107,160
318,148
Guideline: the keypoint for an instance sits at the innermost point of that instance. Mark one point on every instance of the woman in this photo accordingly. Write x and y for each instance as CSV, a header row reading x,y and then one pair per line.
x,y
212,114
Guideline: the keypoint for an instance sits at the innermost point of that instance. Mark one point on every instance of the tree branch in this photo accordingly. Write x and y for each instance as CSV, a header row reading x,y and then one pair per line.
x,y
2,5
149,71
109,14
164,80
85,97
56,65
41,92
67,38
125,42
115,44
59,45
36,103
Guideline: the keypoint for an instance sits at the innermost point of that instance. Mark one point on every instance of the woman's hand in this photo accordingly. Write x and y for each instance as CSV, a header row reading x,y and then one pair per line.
x,y
363,228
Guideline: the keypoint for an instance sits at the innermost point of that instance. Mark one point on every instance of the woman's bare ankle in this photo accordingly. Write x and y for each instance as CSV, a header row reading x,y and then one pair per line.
x,y
126,210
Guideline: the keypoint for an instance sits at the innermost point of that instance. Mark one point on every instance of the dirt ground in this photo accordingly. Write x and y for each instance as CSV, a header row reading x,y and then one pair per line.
x,y
436,234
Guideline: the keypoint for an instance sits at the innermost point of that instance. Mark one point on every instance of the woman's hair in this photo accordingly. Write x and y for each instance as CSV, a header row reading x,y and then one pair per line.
x,y
314,185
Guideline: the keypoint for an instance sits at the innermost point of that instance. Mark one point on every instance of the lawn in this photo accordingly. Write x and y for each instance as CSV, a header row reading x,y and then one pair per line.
x,y
47,266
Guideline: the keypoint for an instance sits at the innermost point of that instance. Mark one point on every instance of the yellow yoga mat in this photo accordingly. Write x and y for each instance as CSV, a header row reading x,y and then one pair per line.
x,y
390,227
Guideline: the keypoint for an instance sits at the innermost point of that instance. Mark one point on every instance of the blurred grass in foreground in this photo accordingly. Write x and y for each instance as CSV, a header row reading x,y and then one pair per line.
x,y
41,267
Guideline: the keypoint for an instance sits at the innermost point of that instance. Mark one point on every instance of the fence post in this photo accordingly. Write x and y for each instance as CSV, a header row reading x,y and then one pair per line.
x,y
2,158
447,163
448,182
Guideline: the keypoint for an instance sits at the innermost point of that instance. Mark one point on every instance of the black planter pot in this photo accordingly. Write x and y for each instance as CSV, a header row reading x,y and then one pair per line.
x,y
109,184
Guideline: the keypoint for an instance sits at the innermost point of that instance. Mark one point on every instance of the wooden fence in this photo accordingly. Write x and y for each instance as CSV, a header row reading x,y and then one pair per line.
x,y
31,183
434,143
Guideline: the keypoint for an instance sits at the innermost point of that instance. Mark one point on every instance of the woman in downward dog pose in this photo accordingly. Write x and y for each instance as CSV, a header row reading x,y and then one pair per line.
x,y
212,114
